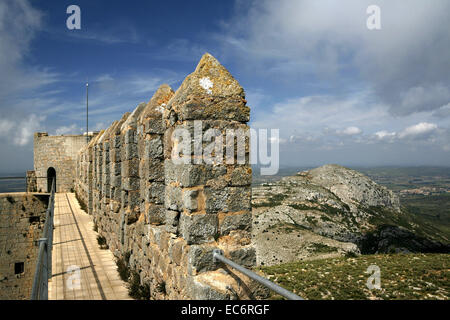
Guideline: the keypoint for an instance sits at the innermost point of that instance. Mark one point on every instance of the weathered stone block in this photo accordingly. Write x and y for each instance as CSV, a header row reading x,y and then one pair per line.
x,y
227,109
201,259
134,200
116,181
241,176
131,151
173,198
131,183
239,198
176,251
116,193
189,175
130,168
200,291
235,222
216,200
155,126
157,192
116,141
156,214
106,179
245,256
116,168
152,170
172,220
130,136
153,148
198,228
190,199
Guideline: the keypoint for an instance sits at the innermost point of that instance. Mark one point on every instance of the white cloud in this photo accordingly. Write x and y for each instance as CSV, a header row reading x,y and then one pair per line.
x,y
5,126
19,82
328,44
424,97
19,22
21,131
420,129
385,135
314,114
442,112
350,131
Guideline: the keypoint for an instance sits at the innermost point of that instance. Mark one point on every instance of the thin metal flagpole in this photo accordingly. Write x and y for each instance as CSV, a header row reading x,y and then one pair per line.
x,y
87,112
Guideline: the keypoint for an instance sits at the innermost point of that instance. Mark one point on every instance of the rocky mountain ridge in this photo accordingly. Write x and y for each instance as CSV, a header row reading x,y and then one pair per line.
x,y
330,211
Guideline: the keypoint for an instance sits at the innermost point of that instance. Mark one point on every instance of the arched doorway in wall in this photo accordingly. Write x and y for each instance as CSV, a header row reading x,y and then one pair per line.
x,y
51,173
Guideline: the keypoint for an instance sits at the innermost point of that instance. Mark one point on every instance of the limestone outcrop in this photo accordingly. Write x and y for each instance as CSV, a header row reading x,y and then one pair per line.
x,y
330,211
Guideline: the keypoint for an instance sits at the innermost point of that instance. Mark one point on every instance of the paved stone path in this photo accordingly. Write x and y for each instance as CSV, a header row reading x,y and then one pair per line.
x,y
75,244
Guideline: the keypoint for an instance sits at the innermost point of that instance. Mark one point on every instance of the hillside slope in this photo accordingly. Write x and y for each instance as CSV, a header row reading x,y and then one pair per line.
x,y
425,277
332,211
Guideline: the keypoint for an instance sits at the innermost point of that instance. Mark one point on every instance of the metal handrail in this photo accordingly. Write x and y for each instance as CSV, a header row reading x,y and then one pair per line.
x,y
218,255
43,269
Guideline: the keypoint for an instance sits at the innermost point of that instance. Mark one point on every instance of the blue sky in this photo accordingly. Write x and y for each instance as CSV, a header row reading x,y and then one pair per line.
x,y
338,92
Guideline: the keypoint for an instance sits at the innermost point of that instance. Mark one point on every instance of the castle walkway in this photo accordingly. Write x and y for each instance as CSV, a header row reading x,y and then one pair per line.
x,y
80,269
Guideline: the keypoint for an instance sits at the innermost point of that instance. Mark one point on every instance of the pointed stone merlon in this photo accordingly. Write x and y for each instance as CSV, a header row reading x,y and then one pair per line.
x,y
212,201
130,194
210,93
116,164
151,129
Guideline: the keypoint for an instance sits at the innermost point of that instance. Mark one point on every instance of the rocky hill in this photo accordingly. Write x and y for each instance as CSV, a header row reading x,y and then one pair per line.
x,y
331,211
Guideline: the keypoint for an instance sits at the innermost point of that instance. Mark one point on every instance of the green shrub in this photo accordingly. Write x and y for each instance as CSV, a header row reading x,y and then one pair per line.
x,y
161,287
321,248
273,201
136,290
123,267
101,240
300,207
351,254
81,203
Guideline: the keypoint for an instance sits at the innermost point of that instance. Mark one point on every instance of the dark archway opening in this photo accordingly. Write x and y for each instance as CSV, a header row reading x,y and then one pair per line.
x,y
51,173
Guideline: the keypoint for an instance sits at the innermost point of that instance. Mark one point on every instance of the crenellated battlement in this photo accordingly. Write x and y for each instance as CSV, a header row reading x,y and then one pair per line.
x,y
168,215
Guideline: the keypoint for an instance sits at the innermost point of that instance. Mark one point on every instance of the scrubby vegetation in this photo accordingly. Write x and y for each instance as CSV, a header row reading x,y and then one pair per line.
x,y
136,290
321,248
431,211
284,227
300,206
403,276
122,266
161,287
81,203
272,201
101,240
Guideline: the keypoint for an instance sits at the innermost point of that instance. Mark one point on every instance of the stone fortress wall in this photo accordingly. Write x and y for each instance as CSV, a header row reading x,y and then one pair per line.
x,y
60,153
168,217
22,218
